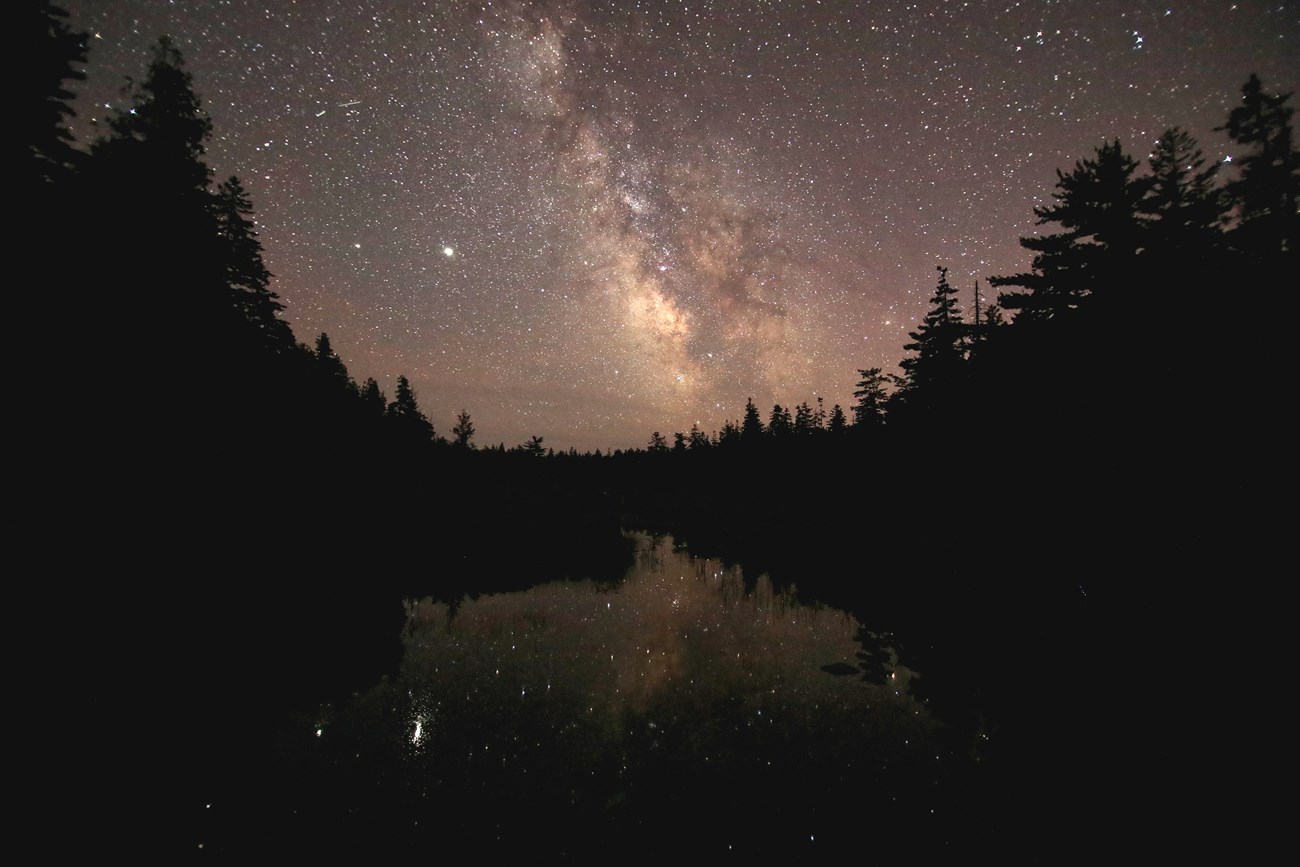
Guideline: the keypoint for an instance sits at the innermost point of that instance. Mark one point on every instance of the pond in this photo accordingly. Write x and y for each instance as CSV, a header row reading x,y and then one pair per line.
x,y
681,706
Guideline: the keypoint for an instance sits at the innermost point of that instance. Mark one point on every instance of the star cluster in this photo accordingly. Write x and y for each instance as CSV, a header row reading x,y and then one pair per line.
x,y
592,220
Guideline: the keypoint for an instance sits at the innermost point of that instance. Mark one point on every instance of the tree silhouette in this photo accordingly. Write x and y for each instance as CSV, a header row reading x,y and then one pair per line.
x,y
657,442
534,447
932,373
1099,206
372,399
463,431
406,415
805,420
331,370
162,137
697,439
1267,188
869,412
751,426
780,424
1183,204
253,302
838,423
56,58
151,225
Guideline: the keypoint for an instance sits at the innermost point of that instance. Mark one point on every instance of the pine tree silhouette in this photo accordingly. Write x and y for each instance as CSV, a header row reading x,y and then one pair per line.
x,y
1099,207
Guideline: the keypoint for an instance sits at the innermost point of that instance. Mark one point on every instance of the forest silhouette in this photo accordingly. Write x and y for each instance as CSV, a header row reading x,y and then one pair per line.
x,y
1053,469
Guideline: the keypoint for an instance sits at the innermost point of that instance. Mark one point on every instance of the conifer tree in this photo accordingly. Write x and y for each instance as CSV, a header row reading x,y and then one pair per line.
x,y
255,306
780,424
58,54
1099,208
804,419
463,431
838,423
872,397
161,138
154,222
751,426
1266,190
1183,204
373,399
938,347
330,368
406,415
697,439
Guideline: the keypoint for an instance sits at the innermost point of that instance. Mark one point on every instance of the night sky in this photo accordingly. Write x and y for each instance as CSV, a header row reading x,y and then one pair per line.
x,y
588,221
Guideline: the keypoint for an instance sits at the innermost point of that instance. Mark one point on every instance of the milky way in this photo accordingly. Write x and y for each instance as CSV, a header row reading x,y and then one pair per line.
x,y
588,221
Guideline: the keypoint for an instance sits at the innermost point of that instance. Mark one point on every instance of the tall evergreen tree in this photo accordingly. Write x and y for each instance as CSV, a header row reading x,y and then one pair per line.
x,y
58,54
1183,204
463,431
1266,190
1099,208
330,368
838,423
255,306
932,373
153,223
372,399
161,137
751,426
872,395
697,439
804,419
408,420
780,424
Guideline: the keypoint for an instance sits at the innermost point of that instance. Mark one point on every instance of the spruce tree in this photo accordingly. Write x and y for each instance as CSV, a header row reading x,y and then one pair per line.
x,y
155,227
58,54
463,431
254,306
872,395
408,420
1183,204
838,423
751,426
779,424
1266,190
1099,209
935,368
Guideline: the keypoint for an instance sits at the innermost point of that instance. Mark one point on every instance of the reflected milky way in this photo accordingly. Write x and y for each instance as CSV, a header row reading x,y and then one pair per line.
x,y
677,629
676,689
657,210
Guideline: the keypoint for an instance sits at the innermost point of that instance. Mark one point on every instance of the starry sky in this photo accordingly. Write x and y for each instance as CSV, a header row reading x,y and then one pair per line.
x,y
593,220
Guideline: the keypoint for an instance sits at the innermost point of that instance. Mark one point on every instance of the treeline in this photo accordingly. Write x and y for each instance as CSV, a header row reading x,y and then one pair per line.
x,y
1141,298
270,510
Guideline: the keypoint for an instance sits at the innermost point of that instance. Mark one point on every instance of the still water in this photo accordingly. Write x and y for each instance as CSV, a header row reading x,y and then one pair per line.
x,y
681,704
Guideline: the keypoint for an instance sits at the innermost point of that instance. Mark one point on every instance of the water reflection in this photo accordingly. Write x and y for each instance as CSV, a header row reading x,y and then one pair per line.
x,y
677,702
